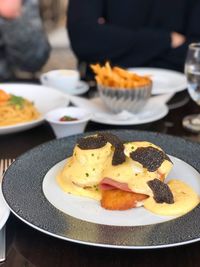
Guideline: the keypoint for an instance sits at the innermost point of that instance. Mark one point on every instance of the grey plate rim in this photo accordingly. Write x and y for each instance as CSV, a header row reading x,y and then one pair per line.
x,y
145,237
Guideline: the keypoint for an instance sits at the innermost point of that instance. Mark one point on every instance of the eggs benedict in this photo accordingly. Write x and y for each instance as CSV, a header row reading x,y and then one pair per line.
x,y
123,175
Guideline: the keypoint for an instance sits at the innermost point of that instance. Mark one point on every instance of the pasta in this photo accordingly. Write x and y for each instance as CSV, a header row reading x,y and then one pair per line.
x,y
16,109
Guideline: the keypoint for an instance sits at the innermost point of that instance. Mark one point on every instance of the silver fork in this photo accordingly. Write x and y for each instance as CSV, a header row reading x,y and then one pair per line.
x,y
4,164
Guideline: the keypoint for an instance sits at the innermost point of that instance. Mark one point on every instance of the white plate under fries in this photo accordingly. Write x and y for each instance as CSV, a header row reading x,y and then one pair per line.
x,y
154,109
149,113
77,219
44,99
164,81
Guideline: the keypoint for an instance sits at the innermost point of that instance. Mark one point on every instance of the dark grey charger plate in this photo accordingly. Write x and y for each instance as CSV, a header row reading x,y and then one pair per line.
x,y
22,189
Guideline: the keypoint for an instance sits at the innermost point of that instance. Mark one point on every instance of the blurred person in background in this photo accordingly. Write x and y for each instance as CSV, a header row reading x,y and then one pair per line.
x,y
133,33
23,43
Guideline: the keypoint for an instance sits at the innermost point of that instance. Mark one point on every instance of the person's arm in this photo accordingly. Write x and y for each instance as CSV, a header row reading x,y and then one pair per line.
x,y
177,56
93,41
25,43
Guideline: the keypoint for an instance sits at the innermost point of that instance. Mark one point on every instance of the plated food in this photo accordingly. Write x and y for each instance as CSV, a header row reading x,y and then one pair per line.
x,y
124,175
120,89
116,77
47,208
16,109
42,98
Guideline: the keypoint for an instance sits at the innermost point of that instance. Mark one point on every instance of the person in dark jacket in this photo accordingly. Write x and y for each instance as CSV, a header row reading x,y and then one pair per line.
x,y
23,42
133,33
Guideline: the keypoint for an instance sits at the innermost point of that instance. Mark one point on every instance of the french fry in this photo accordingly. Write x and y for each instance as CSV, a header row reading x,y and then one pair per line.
x,y
117,77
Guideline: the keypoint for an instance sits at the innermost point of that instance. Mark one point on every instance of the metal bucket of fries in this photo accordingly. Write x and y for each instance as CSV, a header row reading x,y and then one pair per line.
x,y
119,99
120,89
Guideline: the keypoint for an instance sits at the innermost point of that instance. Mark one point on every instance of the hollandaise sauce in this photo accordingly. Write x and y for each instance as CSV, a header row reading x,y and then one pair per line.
x,y
83,171
185,199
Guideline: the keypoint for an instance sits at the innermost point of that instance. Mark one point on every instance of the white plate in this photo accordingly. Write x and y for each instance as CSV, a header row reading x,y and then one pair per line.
x,y
151,112
4,210
155,109
44,98
89,210
164,81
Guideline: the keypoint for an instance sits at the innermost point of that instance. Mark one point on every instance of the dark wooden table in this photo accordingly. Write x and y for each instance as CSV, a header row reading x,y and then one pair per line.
x,y
27,247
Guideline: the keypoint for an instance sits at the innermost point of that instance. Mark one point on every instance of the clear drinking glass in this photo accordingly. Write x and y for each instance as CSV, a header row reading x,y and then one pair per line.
x,y
192,72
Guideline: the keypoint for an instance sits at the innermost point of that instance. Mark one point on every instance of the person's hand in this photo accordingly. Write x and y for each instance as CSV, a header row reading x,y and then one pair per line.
x,y
10,9
177,39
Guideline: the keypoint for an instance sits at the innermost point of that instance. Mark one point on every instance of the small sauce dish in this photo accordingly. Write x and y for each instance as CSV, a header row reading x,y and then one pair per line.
x,y
68,120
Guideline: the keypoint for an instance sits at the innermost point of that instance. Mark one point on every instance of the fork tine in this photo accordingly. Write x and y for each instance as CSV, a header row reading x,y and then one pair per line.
x,y
1,167
9,161
4,164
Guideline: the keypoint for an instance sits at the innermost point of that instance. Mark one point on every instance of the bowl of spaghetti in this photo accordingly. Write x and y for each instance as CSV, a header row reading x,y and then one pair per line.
x,y
16,109
23,106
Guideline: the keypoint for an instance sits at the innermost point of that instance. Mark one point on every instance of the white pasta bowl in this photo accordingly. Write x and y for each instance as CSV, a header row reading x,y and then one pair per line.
x,y
67,128
44,99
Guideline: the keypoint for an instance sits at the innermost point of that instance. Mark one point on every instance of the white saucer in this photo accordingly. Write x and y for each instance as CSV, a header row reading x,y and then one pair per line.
x,y
149,113
81,88
154,109
4,210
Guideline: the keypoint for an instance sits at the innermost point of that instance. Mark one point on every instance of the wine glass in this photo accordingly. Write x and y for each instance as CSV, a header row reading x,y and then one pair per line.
x,y
192,72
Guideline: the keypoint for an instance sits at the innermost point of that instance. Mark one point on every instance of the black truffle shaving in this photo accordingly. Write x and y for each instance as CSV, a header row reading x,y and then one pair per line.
x,y
118,156
161,191
94,142
151,158
111,138
91,142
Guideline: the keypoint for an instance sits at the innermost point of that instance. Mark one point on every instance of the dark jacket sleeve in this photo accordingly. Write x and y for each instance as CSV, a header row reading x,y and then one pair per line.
x,y
25,43
176,57
94,42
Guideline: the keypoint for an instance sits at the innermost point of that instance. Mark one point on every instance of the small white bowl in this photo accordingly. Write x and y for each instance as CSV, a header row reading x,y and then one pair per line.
x,y
67,128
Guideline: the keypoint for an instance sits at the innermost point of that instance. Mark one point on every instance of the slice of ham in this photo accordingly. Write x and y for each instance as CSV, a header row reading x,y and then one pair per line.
x,y
161,176
109,184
